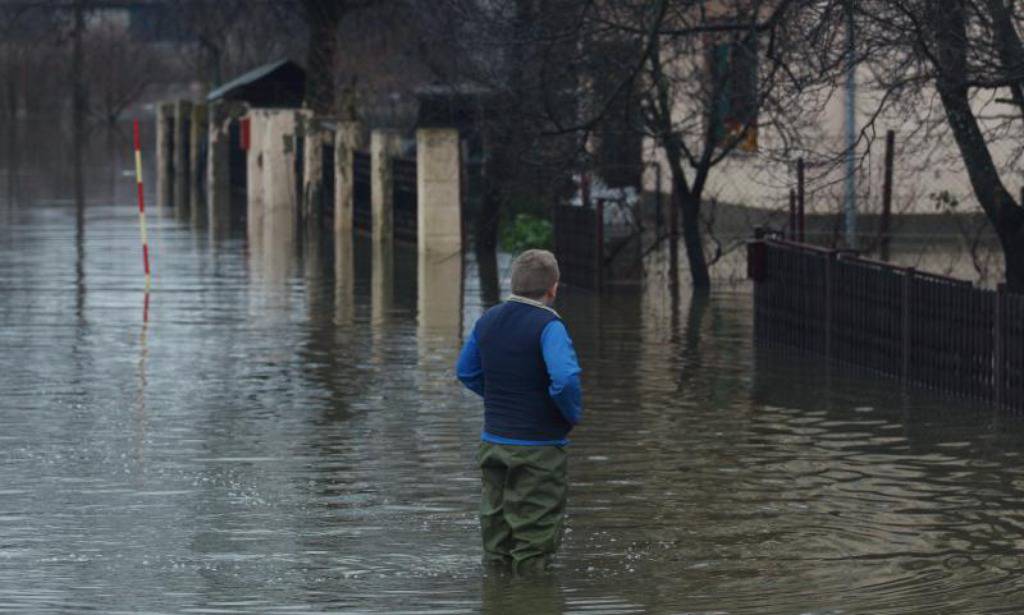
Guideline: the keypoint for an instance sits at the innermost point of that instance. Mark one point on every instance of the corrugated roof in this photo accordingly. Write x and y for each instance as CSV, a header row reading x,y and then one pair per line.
x,y
250,77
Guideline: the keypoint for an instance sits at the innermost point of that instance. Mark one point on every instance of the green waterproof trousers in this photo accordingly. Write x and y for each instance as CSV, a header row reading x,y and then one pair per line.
x,y
523,504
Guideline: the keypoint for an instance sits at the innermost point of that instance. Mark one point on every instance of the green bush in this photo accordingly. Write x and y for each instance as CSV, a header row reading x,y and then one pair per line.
x,y
525,232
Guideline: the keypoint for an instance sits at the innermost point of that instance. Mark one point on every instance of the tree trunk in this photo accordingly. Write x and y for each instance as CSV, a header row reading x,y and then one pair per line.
x,y
1013,253
495,180
687,198
690,204
1006,216
673,237
323,17
487,267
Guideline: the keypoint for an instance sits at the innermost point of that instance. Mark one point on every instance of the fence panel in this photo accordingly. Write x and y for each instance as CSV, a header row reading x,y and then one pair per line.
x,y
867,318
936,332
792,305
362,208
404,199
1013,343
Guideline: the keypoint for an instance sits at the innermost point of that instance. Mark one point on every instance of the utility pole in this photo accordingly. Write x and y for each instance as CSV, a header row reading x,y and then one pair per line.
x,y
850,193
78,107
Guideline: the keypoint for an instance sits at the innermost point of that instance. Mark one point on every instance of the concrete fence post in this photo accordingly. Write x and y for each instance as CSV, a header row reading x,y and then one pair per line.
x,y
253,125
347,140
198,141
316,134
280,201
182,155
218,166
439,210
165,155
384,146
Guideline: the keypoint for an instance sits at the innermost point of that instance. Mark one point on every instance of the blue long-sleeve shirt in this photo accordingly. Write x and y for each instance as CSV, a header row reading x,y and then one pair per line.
x,y
562,367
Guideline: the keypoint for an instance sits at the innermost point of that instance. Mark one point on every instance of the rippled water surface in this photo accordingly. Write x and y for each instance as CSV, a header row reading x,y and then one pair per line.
x,y
283,434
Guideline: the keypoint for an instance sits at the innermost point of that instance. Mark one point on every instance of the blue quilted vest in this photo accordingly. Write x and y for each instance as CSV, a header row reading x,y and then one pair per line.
x,y
516,400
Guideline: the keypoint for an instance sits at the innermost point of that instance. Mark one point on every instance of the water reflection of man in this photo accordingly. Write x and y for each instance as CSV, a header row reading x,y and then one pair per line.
x,y
521,360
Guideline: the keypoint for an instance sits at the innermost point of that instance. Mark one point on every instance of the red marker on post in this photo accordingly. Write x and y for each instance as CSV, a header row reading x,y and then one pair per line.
x,y
142,202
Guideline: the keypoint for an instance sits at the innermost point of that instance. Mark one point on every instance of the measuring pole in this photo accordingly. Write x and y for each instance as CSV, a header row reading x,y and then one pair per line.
x,y
142,202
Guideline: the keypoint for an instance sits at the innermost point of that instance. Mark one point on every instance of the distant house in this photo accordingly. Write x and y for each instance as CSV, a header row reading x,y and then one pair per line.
x,y
928,163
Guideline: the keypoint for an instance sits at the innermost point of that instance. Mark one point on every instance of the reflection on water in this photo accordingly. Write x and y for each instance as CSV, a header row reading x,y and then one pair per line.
x,y
283,434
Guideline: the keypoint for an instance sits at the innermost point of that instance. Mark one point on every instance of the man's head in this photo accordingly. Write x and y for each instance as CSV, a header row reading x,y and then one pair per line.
x,y
535,275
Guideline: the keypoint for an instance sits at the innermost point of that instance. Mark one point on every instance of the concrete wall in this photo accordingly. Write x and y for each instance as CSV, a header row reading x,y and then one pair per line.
x,y
439,208
927,160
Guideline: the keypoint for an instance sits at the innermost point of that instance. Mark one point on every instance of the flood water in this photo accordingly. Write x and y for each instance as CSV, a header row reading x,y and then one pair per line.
x,y
285,435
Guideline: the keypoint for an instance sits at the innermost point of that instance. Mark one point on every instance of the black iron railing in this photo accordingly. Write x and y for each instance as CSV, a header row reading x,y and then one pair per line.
x,y
937,332
362,207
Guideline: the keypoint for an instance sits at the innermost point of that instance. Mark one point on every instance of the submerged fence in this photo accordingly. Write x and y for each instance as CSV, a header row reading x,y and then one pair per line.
x,y
362,207
404,198
927,330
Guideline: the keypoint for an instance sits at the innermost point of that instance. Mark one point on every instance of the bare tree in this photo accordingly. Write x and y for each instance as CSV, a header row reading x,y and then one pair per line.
x,y
969,53
323,17
702,82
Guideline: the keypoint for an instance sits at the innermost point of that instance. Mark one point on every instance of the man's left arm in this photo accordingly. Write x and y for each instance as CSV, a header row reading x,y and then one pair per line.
x,y
563,369
470,369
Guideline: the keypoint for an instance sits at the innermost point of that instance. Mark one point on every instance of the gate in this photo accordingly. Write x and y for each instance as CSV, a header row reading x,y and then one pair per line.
x,y
404,199
362,214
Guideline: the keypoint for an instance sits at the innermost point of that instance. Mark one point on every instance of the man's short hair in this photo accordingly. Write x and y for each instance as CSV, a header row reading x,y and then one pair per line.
x,y
533,273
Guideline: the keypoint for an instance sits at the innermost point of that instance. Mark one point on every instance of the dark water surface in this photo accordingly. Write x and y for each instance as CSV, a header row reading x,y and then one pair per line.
x,y
283,436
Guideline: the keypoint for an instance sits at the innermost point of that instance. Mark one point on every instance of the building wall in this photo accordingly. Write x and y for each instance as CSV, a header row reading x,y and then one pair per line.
x,y
927,161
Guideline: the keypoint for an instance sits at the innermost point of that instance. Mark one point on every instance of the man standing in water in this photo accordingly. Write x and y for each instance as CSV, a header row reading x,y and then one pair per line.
x,y
520,359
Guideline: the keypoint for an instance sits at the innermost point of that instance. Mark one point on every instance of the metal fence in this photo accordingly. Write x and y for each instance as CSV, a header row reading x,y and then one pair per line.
x,y
938,332
404,199
362,206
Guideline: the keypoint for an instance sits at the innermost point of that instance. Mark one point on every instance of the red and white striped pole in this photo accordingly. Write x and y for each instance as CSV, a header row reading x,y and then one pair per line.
x,y
142,202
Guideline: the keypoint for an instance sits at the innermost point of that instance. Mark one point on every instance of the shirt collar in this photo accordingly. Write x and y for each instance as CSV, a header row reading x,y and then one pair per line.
x,y
534,303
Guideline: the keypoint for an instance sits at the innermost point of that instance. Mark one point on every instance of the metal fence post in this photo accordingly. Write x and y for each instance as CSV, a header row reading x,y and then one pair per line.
x,y
885,221
599,240
792,215
829,262
908,278
801,212
1000,345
